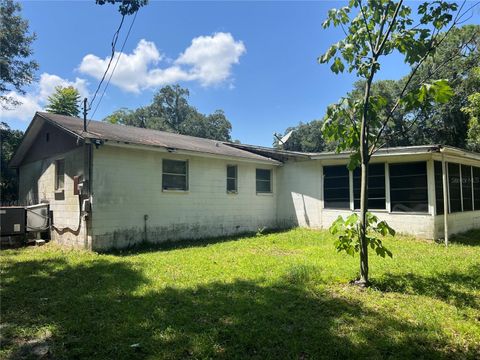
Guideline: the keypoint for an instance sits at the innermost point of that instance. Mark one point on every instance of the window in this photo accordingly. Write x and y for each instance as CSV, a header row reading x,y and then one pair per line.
x,y
336,187
264,180
376,186
467,187
408,187
232,179
175,175
476,188
454,187
438,187
59,174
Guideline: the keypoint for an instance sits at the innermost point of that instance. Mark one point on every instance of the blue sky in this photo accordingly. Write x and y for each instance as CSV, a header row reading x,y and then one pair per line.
x,y
254,60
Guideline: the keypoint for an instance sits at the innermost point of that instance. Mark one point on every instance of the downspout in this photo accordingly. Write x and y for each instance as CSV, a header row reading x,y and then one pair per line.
x,y
445,199
87,215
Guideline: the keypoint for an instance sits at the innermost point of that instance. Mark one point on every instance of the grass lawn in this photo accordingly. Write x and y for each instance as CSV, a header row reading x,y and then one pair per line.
x,y
275,296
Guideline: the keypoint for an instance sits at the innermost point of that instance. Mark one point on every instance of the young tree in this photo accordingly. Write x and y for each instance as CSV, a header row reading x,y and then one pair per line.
x,y
64,101
380,28
16,71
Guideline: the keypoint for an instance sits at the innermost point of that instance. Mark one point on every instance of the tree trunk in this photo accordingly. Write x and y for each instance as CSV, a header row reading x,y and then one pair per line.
x,y
363,281
364,155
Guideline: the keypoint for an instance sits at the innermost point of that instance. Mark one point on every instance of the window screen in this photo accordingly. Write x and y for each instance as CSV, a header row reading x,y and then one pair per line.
x,y
264,180
59,174
232,178
454,187
174,175
467,187
439,187
376,186
476,188
336,187
408,187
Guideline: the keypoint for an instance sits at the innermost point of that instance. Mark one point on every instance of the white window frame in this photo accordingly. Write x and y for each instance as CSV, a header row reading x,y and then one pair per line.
x,y
269,181
57,175
235,191
175,174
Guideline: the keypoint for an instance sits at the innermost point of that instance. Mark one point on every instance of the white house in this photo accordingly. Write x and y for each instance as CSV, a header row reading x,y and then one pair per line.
x,y
113,186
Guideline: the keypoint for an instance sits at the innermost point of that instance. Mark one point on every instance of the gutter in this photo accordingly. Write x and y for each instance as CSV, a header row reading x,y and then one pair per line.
x,y
171,150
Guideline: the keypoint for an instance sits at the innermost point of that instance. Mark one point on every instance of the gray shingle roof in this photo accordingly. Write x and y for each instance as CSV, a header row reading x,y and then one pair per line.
x,y
133,135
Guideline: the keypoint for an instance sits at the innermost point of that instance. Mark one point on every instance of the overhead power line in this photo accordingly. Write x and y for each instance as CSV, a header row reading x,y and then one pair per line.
x,y
115,66
114,44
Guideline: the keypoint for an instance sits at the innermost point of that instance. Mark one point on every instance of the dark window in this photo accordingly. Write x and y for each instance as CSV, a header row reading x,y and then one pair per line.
x,y
336,187
47,137
376,186
476,188
467,187
59,174
175,175
439,187
264,180
408,187
454,187
232,178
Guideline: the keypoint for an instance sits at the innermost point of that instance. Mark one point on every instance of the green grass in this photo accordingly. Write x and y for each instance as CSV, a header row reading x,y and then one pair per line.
x,y
275,296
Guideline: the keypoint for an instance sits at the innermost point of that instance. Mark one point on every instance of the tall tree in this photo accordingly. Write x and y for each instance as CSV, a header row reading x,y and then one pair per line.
x,y
64,101
378,29
16,70
10,140
472,110
306,137
170,111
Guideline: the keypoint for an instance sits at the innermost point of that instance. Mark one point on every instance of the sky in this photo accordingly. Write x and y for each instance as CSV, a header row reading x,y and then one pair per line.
x,y
257,61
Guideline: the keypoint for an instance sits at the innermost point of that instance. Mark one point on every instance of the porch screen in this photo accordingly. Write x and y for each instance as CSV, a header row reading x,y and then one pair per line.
x,y
467,187
454,187
476,188
376,186
408,187
439,187
336,187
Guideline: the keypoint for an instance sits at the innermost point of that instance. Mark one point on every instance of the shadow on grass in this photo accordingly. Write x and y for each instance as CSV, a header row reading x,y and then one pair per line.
x,y
456,288
97,310
146,247
469,238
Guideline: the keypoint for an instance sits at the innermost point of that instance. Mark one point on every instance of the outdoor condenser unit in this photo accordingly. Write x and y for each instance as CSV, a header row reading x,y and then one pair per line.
x,y
12,221
19,221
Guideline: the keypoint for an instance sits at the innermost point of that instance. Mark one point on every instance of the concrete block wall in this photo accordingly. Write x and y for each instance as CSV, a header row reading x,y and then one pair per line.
x,y
37,184
457,223
299,194
127,185
420,225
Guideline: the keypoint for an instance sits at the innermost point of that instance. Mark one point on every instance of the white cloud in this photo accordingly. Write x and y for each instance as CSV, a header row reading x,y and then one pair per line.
x,y
208,60
212,57
37,98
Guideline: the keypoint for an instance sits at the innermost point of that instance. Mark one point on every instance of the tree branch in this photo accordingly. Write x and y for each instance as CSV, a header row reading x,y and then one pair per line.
x,y
368,29
378,49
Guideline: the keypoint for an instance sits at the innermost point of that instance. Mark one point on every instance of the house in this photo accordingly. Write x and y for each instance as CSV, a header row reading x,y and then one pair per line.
x,y
112,186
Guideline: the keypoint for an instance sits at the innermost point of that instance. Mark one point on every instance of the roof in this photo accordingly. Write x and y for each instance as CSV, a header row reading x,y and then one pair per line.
x,y
122,134
403,150
277,154
107,132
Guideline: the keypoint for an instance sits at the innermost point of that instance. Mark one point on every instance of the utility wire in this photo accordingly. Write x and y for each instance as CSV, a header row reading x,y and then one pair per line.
x,y
114,43
114,67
